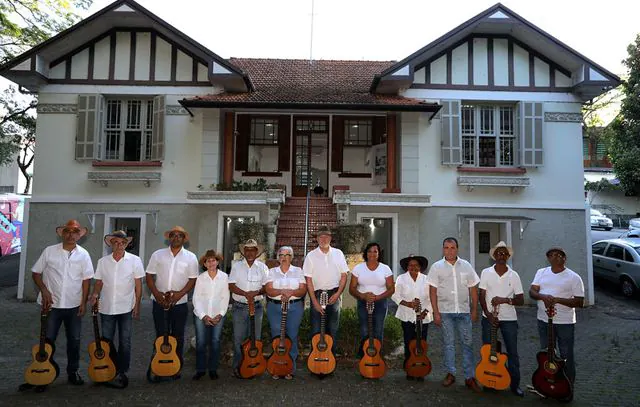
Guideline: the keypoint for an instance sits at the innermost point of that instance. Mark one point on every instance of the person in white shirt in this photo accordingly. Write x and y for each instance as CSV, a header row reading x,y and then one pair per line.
x,y
63,275
371,283
325,269
501,289
210,304
411,286
559,287
171,274
119,287
246,283
452,282
286,283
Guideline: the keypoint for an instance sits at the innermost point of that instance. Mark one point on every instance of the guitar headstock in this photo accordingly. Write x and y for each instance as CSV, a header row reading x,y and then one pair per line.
x,y
418,306
324,299
252,308
370,306
551,311
167,300
495,310
285,306
95,308
43,311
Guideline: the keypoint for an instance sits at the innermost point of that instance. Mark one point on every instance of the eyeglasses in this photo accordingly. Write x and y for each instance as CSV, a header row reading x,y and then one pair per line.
x,y
556,254
173,234
284,255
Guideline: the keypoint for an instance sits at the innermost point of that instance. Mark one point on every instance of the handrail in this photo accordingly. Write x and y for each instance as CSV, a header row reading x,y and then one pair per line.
x,y
306,215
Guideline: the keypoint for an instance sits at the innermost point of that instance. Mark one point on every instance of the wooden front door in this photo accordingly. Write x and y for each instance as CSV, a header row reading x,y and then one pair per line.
x,y
310,155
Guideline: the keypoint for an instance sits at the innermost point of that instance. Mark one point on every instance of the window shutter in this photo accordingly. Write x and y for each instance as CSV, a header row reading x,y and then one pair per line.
x,y
379,129
88,127
243,135
284,143
451,142
337,143
532,122
158,128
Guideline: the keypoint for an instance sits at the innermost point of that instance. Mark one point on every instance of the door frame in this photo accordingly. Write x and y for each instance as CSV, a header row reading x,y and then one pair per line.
x,y
472,236
135,215
294,134
392,263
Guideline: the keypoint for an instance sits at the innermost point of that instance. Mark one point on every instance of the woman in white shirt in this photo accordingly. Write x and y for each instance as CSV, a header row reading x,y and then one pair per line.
x,y
371,282
210,303
286,283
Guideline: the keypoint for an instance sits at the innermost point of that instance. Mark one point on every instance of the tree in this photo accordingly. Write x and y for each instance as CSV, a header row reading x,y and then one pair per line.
x,y
624,134
593,123
24,24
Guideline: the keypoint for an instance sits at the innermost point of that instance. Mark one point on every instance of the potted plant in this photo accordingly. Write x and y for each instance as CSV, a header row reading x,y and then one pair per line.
x,y
351,238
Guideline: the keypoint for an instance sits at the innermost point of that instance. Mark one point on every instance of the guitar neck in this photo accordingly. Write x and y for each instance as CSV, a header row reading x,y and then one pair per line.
x,y
551,344
494,339
96,332
370,328
252,331
283,326
43,331
418,328
166,326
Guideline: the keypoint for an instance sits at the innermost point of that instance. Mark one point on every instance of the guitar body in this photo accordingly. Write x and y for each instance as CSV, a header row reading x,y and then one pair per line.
x,y
372,365
492,371
102,367
550,379
321,360
418,364
253,362
280,362
43,369
165,362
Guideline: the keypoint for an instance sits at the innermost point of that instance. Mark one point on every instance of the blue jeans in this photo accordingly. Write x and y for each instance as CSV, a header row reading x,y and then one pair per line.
x,y
241,327
123,321
452,322
332,318
564,340
294,318
409,333
509,331
72,327
207,335
177,323
379,314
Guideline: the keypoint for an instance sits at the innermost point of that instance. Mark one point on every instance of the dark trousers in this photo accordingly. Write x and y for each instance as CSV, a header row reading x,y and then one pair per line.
x,y
379,314
564,338
409,333
72,327
509,330
124,324
177,323
332,319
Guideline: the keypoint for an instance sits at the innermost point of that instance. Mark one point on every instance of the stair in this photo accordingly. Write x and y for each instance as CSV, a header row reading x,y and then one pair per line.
x,y
291,223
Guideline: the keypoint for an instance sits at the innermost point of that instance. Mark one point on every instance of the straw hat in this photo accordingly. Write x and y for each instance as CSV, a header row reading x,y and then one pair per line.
x,y
72,225
251,243
119,234
500,244
178,229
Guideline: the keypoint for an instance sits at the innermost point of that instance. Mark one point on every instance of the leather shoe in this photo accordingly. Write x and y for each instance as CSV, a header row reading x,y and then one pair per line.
x,y
75,379
197,376
213,375
517,391
473,385
449,379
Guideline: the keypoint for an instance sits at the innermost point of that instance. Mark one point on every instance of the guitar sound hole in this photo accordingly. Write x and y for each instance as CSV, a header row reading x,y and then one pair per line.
x,y
551,367
371,352
418,352
281,350
253,352
41,357
322,347
165,348
99,353
493,359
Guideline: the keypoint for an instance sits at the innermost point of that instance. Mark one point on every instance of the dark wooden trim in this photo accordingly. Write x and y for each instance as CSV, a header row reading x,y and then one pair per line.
x,y
512,72
532,67
227,146
261,174
392,179
501,170
67,68
540,56
354,175
490,67
92,60
427,73
194,70
587,74
174,61
97,163
152,57
125,82
132,56
80,48
317,106
449,67
33,63
495,87
552,77
470,61
112,55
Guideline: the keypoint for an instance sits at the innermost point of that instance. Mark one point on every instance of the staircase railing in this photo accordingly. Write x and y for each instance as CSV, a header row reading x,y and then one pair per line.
x,y
306,215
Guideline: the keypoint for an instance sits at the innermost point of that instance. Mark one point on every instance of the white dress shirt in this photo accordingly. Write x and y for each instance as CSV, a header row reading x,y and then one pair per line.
x,y
325,270
248,278
407,290
211,295
62,273
290,280
566,284
118,295
372,281
453,282
173,272
507,286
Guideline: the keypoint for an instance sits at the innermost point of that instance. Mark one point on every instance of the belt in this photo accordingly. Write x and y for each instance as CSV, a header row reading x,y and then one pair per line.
x,y
246,304
280,302
329,292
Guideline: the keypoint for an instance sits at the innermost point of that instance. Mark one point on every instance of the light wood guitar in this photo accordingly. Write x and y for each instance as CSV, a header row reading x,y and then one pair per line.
x,y
253,362
165,362
492,371
418,364
102,354
280,362
43,369
321,360
371,365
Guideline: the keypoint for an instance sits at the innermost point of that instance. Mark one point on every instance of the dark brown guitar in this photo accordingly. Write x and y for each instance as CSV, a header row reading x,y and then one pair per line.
x,y
550,378
492,371
165,362
321,360
418,364
280,362
371,365
43,370
102,354
253,362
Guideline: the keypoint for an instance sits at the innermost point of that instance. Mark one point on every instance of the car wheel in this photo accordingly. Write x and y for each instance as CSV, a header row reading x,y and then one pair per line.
x,y
607,229
627,287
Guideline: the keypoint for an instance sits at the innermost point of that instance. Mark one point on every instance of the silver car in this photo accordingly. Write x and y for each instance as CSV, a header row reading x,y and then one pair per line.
x,y
599,220
630,233
634,223
618,260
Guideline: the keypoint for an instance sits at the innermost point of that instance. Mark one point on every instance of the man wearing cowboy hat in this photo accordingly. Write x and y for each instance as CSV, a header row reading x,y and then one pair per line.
x,y
501,289
246,283
119,285
175,270
63,274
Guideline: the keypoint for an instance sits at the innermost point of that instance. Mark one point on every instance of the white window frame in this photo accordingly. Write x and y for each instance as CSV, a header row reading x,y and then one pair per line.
x,y
496,135
221,216
392,263
145,132
135,215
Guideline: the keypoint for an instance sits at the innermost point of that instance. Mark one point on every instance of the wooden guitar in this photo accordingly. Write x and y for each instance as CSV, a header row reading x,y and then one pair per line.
x,y
43,369
371,365
321,360
102,354
492,371
280,362
418,364
253,362
165,362
550,378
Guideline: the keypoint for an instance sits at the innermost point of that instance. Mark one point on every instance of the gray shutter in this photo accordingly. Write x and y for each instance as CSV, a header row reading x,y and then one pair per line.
x,y
88,127
451,133
157,130
532,122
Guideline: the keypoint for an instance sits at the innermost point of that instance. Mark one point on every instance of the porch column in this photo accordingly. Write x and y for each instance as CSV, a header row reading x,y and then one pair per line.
x,y
227,169
392,182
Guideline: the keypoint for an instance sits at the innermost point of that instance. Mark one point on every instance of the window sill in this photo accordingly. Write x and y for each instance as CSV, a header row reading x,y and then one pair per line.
x,y
500,170
262,174
354,175
97,163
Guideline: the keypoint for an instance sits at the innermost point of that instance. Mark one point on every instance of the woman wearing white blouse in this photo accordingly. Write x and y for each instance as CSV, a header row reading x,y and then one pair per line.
x,y
210,303
371,282
286,283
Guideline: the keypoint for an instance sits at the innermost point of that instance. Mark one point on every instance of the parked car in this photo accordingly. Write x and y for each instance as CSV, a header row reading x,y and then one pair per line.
x,y
630,233
598,220
618,260
634,223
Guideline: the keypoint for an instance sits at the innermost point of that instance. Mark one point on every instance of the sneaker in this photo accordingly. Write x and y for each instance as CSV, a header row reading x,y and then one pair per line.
x,y
517,391
121,381
473,385
288,377
75,379
449,379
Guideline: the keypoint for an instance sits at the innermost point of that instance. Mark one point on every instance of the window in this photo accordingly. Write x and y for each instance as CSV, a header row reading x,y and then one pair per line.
x,y
264,132
228,235
628,256
127,129
601,150
358,133
585,149
263,145
358,139
615,252
598,248
134,223
488,136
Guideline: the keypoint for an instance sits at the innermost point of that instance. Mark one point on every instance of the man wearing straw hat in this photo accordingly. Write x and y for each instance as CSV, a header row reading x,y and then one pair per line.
x,y
119,287
175,270
63,274
501,289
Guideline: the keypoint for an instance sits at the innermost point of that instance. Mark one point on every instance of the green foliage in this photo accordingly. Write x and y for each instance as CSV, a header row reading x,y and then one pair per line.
x,y
351,238
259,185
251,230
602,185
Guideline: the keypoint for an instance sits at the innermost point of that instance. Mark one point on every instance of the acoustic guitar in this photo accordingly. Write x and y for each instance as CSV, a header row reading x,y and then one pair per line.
x,y
165,362
321,360
280,362
102,354
418,364
492,371
371,365
253,362
43,370
550,378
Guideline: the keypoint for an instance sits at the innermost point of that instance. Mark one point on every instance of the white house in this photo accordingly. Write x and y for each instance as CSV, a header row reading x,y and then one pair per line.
x,y
477,135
